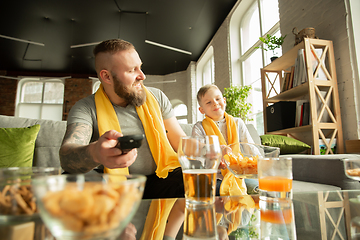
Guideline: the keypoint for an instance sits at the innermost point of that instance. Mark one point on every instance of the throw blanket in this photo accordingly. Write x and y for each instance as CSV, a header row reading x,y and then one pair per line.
x,y
162,152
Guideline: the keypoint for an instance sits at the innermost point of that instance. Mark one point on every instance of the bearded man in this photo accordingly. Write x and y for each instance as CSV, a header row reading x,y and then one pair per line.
x,y
123,106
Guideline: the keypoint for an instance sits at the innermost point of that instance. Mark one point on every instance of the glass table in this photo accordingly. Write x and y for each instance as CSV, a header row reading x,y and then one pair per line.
x,y
312,215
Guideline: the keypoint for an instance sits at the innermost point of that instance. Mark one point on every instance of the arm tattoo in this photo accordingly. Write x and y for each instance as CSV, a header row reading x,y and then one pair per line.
x,y
74,156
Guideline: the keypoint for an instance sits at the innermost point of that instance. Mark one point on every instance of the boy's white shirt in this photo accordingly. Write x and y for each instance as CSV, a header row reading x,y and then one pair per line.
x,y
243,132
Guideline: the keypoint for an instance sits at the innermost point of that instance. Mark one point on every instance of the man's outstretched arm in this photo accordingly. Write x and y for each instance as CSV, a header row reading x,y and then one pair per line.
x,y
78,156
74,153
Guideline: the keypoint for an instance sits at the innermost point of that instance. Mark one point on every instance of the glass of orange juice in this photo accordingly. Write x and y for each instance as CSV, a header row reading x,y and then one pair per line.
x,y
275,177
277,219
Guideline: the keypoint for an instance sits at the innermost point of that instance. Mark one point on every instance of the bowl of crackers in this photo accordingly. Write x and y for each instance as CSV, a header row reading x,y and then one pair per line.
x,y
241,158
17,199
88,206
352,168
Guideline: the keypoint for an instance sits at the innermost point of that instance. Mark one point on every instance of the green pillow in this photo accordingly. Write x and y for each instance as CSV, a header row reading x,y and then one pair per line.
x,y
17,146
287,145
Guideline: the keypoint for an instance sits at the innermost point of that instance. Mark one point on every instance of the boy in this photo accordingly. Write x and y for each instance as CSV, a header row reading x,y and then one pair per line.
x,y
228,128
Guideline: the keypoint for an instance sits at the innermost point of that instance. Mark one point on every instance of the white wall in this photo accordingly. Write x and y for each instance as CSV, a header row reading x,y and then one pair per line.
x,y
331,21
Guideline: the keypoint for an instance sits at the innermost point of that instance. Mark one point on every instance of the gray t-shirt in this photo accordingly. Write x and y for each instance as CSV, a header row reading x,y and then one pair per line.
x,y
84,111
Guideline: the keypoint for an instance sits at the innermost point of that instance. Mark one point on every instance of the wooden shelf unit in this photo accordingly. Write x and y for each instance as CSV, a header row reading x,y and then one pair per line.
x,y
313,90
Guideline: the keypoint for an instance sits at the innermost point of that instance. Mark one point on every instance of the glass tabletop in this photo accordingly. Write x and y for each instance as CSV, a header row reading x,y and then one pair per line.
x,y
309,215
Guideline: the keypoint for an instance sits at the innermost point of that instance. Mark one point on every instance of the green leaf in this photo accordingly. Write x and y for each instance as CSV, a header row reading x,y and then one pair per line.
x,y
236,104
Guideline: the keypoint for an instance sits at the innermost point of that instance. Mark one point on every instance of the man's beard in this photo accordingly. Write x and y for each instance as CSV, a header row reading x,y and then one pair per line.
x,y
129,95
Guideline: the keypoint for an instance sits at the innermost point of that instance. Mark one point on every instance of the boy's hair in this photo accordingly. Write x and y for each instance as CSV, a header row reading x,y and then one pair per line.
x,y
112,46
202,91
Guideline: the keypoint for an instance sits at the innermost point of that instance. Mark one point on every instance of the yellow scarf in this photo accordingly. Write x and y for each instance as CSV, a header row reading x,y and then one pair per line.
x,y
162,152
231,185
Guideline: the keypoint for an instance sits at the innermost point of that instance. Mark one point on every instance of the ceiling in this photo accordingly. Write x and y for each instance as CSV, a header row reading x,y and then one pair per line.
x,y
59,24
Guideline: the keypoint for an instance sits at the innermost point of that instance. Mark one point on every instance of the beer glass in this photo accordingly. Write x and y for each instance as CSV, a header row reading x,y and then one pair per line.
x,y
199,158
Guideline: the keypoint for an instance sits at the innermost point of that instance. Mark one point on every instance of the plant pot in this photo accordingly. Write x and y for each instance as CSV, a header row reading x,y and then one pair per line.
x,y
273,58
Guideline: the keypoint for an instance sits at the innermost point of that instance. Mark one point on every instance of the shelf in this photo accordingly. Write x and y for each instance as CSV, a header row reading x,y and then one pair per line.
x,y
291,94
292,130
285,61
314,91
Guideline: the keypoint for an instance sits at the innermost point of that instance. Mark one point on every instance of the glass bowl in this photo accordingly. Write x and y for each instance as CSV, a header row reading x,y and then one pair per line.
x,y
352,168
88,206
17,200
241,158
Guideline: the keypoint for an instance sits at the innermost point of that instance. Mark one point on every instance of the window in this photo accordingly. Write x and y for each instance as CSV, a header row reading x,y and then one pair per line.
x,y
95,84
204,75
208,72
181,113
260,18
40,98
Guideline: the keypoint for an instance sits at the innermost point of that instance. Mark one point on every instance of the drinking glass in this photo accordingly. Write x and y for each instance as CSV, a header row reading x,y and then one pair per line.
x,y
242,158
352,171
199,158
275,177
277,219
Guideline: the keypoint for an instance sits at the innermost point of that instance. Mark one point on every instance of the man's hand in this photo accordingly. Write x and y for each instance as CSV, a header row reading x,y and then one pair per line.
x,y
129,233
78,156
105,152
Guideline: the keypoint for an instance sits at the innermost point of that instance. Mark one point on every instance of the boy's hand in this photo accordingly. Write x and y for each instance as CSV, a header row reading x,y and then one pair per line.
x,y
224,149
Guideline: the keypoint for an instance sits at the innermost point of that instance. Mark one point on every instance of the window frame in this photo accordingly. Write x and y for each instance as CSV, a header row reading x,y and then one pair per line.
x,y
20,95
238,58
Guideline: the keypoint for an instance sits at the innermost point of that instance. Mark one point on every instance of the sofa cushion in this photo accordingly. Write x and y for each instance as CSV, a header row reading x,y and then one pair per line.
x,y
323,169
48,142
17,146
287,145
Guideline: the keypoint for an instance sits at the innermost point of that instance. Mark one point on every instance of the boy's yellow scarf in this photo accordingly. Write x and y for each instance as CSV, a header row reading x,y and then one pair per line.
x,y
230,185
164,156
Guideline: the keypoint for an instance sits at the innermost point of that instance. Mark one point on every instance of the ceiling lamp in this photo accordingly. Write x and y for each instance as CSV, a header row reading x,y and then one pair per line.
x,y
168,47
22,40
84,45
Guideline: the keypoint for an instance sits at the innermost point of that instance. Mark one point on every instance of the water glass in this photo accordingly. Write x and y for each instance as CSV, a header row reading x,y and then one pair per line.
x,y
275,177
199,158
277,219
200,222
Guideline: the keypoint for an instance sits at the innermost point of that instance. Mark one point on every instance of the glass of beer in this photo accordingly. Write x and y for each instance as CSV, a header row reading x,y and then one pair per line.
x,y
275,177
199,158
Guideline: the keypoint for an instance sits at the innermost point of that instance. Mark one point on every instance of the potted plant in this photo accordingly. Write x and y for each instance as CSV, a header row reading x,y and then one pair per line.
x,y
271,43
236,104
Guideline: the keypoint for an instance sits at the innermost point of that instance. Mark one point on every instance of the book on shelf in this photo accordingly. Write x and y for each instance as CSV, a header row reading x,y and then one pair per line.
x,y
291,78
302,117
285,81
300,72
306,114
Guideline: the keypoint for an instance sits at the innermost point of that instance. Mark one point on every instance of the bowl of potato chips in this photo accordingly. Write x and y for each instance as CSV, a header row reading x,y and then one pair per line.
x,y
352,168
88,206
17,200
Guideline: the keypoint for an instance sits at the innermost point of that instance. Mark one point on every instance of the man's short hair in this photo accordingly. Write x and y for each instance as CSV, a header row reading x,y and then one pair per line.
x,y
202,91
112,46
